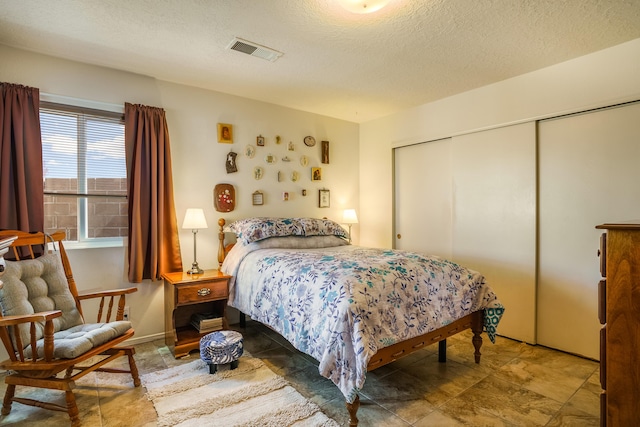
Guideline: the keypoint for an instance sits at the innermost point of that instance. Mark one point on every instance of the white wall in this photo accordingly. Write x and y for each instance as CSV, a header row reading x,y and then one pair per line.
x,y
599,79
199,162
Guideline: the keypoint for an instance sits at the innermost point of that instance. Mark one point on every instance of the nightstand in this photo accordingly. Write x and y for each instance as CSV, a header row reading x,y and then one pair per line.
x,y
189,294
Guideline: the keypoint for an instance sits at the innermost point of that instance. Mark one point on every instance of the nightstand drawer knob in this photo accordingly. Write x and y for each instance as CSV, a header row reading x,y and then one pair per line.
x,y
204,292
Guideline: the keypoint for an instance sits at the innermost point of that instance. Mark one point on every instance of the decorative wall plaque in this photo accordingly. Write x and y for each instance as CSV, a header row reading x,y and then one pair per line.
x,y
231,162
224,197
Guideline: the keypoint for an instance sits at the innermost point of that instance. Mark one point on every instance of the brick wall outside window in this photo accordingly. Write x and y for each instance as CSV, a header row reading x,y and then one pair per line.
x,y
107,215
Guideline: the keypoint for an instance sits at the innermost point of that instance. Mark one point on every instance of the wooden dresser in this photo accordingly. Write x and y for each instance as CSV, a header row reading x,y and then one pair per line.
x,y
619,313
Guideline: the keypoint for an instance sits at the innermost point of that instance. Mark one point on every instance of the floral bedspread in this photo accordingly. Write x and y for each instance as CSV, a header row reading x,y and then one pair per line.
x,y
341,304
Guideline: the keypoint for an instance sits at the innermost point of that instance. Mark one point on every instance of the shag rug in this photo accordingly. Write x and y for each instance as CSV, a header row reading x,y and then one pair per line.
x,y
250,395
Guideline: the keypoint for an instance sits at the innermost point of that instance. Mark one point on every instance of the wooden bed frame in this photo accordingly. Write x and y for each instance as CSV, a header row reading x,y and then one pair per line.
x,y
384,356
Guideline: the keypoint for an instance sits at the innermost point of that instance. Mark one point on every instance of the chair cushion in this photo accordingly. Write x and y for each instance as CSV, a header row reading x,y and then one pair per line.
x,y
73,342
36,285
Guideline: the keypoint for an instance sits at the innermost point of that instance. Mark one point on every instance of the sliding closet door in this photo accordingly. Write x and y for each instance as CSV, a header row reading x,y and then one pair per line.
x,y
472,199
423,197
494,211
589,168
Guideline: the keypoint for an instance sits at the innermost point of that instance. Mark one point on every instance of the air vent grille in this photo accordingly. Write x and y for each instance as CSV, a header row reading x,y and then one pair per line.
x,y
254,49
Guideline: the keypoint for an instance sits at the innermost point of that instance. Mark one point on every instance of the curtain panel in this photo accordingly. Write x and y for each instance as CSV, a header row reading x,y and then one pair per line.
x,y
154,246
21,174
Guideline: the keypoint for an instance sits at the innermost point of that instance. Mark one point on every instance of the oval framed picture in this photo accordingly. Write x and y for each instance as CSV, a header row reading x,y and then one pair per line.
x,y
309,141
258,172
250,151
304,160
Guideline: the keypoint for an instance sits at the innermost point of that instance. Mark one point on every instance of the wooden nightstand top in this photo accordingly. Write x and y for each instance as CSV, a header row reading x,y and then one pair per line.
x,y
622,225
183,277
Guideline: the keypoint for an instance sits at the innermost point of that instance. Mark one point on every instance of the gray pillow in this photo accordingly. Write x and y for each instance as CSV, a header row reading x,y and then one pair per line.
x,y
36,285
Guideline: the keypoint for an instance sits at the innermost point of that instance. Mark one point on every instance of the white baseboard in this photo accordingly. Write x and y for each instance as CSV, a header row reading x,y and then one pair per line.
x,y
146,338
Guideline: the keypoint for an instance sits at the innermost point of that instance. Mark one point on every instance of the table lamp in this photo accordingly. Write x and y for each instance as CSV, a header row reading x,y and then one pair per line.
x,y
195,220
349,217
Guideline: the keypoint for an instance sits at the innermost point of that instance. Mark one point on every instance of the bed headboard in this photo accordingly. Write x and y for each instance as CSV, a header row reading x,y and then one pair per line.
x,y
223,249
221,252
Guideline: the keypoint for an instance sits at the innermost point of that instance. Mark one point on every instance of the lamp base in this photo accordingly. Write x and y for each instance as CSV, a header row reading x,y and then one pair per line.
x,y
195,269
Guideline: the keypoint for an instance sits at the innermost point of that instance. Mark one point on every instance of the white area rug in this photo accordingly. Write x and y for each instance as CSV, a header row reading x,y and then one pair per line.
x,y
251,395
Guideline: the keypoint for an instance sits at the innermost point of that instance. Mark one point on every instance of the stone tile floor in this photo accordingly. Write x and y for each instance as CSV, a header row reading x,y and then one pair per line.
x,y
515,384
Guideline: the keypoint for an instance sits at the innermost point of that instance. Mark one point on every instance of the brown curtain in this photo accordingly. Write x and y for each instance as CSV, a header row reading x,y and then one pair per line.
x,y
21,176
154,247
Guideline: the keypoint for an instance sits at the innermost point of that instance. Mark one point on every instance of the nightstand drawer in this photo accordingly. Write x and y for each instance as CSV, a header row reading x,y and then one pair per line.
x,y
603,357
199,292
602,253
602,301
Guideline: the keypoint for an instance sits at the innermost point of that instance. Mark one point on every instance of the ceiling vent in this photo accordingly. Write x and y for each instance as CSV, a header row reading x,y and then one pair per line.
x,y
254,49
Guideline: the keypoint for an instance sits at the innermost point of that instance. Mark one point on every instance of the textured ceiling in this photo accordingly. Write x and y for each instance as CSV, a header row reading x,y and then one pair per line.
x,y
335,63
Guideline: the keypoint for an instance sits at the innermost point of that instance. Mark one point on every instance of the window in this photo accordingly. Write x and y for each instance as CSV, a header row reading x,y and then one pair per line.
x,y
85,181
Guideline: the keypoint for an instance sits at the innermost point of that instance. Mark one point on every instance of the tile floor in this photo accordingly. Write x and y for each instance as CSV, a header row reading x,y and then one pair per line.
x,y
514,385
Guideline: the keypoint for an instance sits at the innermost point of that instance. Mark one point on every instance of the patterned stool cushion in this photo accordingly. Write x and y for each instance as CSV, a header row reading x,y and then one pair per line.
x,y
221,347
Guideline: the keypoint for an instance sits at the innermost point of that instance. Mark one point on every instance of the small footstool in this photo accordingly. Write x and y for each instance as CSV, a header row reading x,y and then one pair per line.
x,y
220,347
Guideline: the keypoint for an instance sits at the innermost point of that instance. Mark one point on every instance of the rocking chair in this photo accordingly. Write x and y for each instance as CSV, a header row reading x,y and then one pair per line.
x,y
42,326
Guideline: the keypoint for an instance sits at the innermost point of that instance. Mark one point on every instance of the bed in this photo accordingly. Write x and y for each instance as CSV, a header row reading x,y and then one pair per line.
x,y
352,308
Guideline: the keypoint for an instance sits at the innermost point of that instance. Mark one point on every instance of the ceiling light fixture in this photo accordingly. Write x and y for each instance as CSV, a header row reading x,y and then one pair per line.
x,y
363,6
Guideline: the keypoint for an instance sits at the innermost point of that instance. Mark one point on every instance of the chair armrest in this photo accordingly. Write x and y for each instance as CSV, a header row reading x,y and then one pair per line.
x,y
10,328
109,293
111,296
26,318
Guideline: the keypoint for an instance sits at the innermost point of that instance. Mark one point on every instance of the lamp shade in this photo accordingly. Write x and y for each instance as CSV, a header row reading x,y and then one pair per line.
x,y
349,216
363,6
194,219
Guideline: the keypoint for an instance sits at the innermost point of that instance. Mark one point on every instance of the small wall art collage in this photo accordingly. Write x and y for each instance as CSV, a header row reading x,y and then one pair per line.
x,y
272,159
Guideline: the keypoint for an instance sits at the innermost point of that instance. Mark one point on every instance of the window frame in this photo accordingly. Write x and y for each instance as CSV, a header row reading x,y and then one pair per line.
x,y
113,111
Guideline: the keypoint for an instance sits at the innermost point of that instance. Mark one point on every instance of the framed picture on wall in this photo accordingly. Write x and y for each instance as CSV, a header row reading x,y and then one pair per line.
x,y
323,198
225,133
316,174
257,198
325,152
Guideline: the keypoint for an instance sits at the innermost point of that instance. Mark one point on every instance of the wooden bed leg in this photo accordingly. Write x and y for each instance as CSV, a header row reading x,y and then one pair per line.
x,y
353,409
243,320
442,351
476,327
